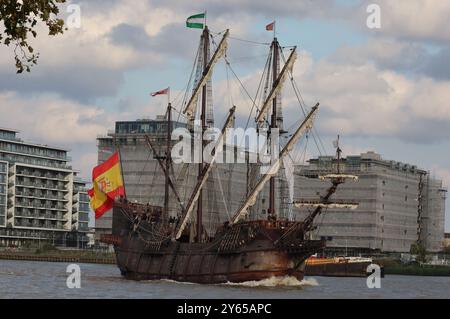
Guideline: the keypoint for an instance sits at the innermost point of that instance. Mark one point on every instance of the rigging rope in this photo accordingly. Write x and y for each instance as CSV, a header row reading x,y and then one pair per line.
x,y
186,93
223,195
241,40
318,140
250,41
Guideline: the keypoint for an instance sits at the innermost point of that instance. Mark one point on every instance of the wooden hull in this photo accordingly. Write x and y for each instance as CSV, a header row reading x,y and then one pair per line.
x,y
208,267
234,256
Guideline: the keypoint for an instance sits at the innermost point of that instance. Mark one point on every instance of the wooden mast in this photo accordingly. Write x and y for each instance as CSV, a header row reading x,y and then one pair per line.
x,y
163,168
168,162
273,170
324,202
273,124
205,37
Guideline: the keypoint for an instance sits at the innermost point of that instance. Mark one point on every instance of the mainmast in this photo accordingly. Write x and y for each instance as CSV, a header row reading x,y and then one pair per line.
x,y
273,99
190,109
273,124
273,170
203,177
205,37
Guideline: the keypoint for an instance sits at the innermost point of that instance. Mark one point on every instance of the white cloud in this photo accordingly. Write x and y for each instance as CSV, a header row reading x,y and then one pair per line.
x,y
52,119
86,163
366,100
388,53
419,19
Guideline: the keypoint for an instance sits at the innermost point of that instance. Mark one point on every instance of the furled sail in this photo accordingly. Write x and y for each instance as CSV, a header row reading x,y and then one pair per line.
x,y
342,176
278,86
334,205
204,176
273,170
190,107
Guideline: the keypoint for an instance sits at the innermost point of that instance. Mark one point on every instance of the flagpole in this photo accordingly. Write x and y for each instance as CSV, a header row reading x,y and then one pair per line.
x,y
205,17
121,170
274,29
168,96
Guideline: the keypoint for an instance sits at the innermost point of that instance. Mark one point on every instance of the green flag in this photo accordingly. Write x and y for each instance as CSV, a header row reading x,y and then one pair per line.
x,y
196,21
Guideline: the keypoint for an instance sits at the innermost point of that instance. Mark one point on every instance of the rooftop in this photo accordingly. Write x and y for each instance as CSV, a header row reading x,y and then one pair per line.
x,y
11,136
371,157
4,129
145,126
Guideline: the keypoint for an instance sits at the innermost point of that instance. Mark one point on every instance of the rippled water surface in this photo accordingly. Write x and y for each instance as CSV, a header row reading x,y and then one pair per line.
x,y
23,279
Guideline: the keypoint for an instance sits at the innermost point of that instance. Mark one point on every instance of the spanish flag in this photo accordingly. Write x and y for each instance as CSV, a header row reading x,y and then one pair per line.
x,y
100,203
107,185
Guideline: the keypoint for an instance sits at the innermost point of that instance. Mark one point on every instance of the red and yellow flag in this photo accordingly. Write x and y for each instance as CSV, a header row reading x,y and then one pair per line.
x,y
100,203
107,185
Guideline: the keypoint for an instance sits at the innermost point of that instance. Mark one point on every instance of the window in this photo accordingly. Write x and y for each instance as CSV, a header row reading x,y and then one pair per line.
x,y
84,207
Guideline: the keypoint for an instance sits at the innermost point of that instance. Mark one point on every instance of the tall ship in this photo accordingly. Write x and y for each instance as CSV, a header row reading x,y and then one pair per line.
x,y
154,242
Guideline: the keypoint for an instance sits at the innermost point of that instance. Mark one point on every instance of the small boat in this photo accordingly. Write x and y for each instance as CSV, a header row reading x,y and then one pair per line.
x,y
339,267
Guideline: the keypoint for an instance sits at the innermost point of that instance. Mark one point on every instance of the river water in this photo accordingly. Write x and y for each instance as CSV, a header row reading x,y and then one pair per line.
x,y
23,279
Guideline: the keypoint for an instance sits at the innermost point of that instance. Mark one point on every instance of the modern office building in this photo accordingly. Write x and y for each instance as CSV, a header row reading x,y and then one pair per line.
x,y
41,197
399,205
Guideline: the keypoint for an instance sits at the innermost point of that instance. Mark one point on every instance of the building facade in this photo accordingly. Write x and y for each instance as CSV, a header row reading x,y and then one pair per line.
x,y
41,197
399,205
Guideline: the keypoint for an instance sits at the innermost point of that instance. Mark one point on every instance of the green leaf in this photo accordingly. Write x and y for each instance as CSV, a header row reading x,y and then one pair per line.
x,y
21,19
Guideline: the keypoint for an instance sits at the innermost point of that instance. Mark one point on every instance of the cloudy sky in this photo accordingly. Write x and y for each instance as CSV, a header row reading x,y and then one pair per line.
x,y
385,90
